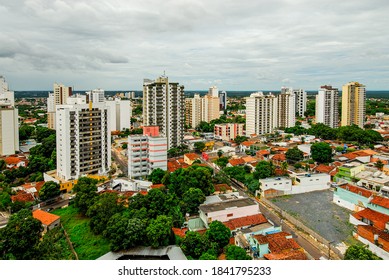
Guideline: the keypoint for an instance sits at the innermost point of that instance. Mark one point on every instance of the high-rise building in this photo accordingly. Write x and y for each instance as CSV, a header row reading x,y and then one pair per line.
x,y
120,112
223,100
327,106
300,99
58,97
286,110
211,108
213,91
96,95
228,131
198,109
164,106
9,121
261,113
353,104
83,139
146,152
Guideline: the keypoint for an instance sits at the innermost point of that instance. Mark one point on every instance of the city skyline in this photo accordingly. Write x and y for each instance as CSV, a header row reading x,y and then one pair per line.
x,y
256,45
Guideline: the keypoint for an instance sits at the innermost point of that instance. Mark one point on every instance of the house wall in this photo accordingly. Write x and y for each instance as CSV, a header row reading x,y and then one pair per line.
x,y
349,199
372,247
378,208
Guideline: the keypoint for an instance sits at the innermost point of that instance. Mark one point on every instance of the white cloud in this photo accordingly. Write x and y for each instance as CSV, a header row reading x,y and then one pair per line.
x,y
260,44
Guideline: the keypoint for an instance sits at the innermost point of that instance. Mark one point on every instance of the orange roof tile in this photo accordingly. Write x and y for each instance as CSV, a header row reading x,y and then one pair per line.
x,y
45,217
381,201
247,143
357,190
180,231
279,157
245,221
382,234
222,187
290,255
236,161
263,152
249,159
157,186
324,168
12,160
192,156
379,220
22,196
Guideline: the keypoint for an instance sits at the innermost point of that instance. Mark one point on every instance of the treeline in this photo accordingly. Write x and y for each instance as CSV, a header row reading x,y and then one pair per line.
x,y
348,134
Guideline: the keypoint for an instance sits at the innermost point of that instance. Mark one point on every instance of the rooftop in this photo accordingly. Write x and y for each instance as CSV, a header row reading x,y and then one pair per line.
x,y
45,217
229,204
245,221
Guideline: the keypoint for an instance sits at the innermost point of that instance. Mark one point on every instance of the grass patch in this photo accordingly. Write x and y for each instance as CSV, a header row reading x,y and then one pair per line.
x,y
87,245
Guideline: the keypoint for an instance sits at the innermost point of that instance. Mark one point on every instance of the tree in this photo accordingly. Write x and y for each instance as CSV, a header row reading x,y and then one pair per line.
x,y
218,233
204,127
5,201
159,231
234,252
220,153
236,172
263,170
194,244
222,162
102,209
25,132
379,164
199,146
208,256
3,165
49,190
21,236
157,175
284,167
294,155
86,190
43,132
321,152
240,139
191,200
357,252
124,233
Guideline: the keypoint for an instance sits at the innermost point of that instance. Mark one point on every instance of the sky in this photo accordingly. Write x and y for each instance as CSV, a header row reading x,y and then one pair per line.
x,y
235,45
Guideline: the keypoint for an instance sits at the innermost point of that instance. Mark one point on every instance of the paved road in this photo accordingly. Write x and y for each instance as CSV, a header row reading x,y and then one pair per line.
x,y
121,161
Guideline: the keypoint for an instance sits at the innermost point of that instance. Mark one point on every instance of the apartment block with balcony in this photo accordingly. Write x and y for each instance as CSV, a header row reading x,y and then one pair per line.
x,y
353,104
286,110
327,106
228,131
83,140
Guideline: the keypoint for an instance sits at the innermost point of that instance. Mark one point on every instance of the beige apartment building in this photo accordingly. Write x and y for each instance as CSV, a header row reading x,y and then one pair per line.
x,y
353,104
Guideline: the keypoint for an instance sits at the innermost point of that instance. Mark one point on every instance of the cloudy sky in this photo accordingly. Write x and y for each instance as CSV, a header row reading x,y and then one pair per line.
x,y
236,45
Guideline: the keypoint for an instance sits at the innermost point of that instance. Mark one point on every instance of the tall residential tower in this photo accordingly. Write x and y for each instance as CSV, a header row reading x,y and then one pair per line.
x,y
353,104
327,106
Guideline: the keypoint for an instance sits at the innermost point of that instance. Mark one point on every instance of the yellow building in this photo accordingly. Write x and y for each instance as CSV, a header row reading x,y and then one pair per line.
x,y
353,104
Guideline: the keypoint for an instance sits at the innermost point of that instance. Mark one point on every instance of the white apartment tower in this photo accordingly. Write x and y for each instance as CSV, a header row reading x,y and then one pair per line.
x,y
261,113
353,104
300,97
327,106
9,121
96,95
58,97
83,139
164,106
120,112
286,110
213,91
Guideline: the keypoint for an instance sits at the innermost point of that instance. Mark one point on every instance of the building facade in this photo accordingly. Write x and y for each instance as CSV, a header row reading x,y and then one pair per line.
x,y
9,121
327,100
223,100
164,106
146,152
261,113
228,131
59,96
286,110
120,112
353,104
83,140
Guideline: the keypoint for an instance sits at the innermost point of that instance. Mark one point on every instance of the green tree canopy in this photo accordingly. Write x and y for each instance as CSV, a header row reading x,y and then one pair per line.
x,y
199,146
357,252
191,200
264,169
21,236
321,152
218,233
86,189
240,139
294,155
234,252
159,231
157,175
49,190
194,244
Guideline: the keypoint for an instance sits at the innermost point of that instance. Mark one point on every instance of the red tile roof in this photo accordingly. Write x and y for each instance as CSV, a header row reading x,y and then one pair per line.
x,y
222,187
263,152
381,201
173,164
36,185
379,220
180,231
192,156
279,157
248,143
370,229
236,161
377,159
12,160
157,186
290,255
22,196
245,221
45,217
357,190
324,168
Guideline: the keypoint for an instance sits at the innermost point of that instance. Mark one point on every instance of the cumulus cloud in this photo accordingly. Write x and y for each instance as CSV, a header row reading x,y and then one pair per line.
x,y
237,45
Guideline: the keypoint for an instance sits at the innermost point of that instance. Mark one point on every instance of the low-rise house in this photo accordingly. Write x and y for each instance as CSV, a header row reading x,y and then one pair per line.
x,y
276,246
48,220
124,185
236,162
372,180
349,170
371,218
22,196
245,222
377,240
222,188
190,158
13,162
227,207
352,197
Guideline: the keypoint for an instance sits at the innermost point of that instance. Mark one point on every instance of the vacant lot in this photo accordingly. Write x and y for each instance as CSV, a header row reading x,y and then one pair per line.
x,y
317,211
87,245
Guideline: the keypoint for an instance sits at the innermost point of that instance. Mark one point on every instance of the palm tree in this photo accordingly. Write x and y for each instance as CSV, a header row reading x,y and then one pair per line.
x,y
379,164
284,167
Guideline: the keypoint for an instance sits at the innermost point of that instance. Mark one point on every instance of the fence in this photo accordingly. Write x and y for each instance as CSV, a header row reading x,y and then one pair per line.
x,y
300,225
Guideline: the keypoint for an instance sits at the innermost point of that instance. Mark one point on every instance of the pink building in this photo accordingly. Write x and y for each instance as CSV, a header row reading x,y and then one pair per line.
x,y
228,131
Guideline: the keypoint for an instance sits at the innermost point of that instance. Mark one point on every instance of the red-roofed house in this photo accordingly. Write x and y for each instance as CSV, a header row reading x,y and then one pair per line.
x,y
48,220
190,158
243,222
377,240
15,162
22,196
180,231
235,162
222,188
371,218
278,158
276,246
